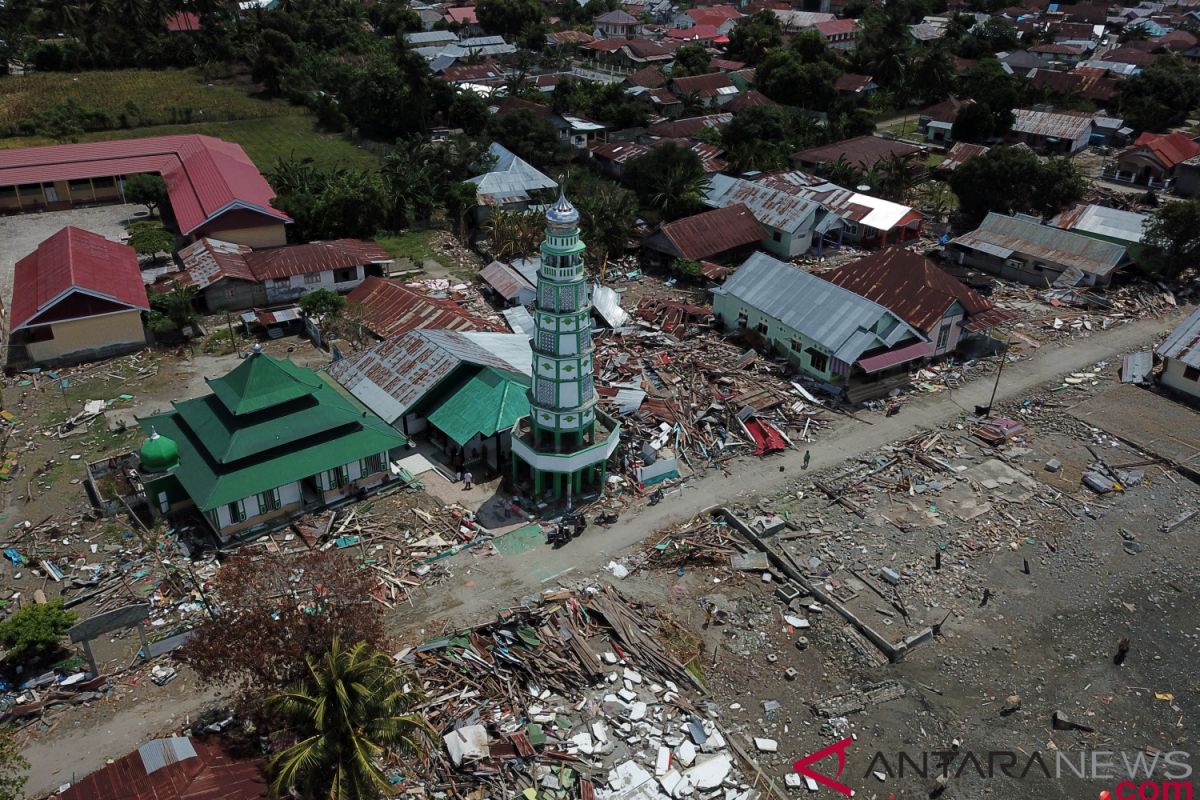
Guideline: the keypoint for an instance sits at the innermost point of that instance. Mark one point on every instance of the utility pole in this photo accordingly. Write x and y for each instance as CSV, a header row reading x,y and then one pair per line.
x,y
999,371
233,338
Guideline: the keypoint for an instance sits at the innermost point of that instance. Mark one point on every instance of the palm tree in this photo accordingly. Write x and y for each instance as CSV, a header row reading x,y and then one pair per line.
x,y
681,193
351,711
843,173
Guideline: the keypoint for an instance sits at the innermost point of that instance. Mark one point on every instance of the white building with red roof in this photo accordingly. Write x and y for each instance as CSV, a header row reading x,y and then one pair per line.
x,y
212,185
77,297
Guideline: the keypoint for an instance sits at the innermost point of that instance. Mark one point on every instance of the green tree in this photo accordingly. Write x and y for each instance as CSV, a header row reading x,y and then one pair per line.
x,y
810,47
762,137
35,630
1008,179
148,189
607,218
352,709
150,238
687,268
933,74
514,234
975,123
173,311
322,303
1161,94
528,135
12,767
752,39
843,173
669,179
884,44
987,83
894,177
1171,241
785,77
511,18
936,199
691,59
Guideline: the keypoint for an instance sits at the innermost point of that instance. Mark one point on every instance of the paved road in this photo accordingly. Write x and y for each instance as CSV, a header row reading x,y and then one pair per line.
x,y
480,587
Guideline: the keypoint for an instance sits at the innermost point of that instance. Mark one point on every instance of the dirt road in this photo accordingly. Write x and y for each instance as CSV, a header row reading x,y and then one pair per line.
x,y
479,588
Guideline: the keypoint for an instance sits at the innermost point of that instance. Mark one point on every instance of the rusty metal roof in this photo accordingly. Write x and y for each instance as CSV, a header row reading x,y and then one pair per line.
x,y
209,260
862,151
910,286
710,85
710,233
772,207
391,376
1068,125
1002,236
506,280
390,309
170,769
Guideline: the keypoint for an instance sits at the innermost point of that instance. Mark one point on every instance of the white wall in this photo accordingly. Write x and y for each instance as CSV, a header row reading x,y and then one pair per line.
x,y
1172,377
298,285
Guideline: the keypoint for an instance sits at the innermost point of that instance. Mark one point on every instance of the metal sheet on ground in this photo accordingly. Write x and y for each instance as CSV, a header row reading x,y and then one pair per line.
x,y
1154,423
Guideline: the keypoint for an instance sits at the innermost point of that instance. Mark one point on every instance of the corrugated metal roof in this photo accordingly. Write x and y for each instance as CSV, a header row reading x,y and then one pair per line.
x,y
489,402
507,281
1069,125
208,773
390,309
910,285
844,323
607,303
75,260
774,208
1183,343
209,260
710,233
1002,236
391,376
205,177
520,321
1114,223
862,151
511,178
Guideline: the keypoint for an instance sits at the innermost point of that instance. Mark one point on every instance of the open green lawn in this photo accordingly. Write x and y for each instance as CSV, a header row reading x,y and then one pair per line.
x,y
414,245
265,140
161,96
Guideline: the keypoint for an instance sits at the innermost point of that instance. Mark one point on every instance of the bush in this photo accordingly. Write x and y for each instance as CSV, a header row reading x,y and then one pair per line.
x,y
35,630
219,344
148,238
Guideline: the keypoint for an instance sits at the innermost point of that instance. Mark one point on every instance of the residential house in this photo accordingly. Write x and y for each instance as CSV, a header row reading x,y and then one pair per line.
x,y
936,122
572,130
794,21
463,18
696,34
852,344
689,127
510,184
1180,354
1074,31
724,235
1086,82
752,98
1061,132
1020,62
613,156
721,17
838,34
646,77
461,391
177,768
959,154
1060,53
485,73
213,187
1125,228
436,40
270,442
794,224
714,89
1153,159
631,54
568,39
618,24
861,152
1021,248
508,284
390,309
230,276
866,221
856,87
77,297
942,308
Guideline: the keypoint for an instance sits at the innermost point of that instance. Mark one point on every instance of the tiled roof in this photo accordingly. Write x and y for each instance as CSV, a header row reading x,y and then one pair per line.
x,y
205,177
910,286
390,308
173,769
75,261
714,232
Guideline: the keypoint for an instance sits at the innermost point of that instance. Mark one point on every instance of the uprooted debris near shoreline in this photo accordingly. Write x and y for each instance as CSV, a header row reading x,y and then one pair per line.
x,y
574,695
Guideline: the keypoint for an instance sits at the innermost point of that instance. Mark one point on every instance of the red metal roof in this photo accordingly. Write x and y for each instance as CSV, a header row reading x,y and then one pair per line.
x,y
747,100
70,261
209,260
205,177
650,77
709,85
862,151
908,352
910,286
696,33
711,233
390,309
1169,148
851,82
836,27
714,15
461,15
211,774
183,22
680,128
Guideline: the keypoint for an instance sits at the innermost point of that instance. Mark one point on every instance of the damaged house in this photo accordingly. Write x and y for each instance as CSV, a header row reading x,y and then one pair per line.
x,y
855,346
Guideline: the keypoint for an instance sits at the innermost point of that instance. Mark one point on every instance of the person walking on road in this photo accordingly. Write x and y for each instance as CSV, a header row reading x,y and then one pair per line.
x,y
807,458
468,480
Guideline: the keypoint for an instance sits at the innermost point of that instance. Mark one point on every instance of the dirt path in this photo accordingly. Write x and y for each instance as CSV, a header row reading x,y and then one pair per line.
x,y
478,588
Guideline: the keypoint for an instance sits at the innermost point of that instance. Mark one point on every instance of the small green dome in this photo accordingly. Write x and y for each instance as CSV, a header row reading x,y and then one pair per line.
x,y
158,453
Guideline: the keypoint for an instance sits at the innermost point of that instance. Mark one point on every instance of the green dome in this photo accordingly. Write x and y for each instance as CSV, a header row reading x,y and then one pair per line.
x,y
159,453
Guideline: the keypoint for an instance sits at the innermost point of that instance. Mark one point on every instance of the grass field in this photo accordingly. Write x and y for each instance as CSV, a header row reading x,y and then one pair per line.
x,y
414,245
265,140
161,96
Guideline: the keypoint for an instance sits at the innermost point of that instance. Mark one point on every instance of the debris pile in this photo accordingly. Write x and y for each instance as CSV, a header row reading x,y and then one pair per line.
x,y
574,696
